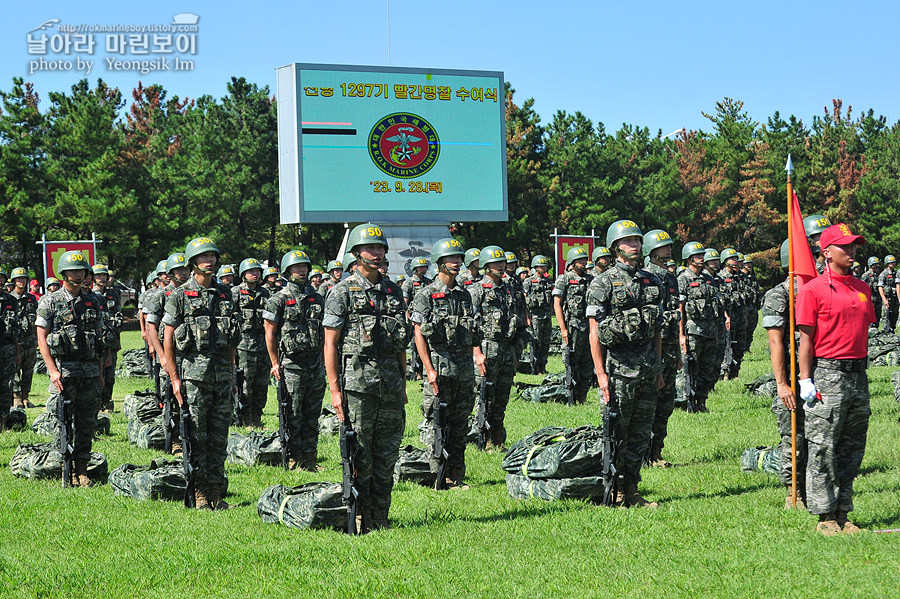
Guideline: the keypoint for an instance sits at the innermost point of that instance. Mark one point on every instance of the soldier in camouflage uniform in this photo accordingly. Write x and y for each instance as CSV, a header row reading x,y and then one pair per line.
x,y
225,276
366,335
569,305
53,284
625,306
814,225
602,258
657,249
833,313
754,300
335,271
315,279
870,278
887,289
178,274
250,297
202,322
447,339
111,304
700,311
776,321
410,288
11,333
733,294
294,339
503,331
26,307
538,291
514,282
712,265
271,276
70,335
471,274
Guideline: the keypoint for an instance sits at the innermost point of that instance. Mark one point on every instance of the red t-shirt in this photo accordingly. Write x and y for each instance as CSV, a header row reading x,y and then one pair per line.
x,y
840,307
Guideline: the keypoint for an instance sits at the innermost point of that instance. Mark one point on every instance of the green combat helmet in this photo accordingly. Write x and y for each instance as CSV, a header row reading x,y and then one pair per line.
x,y
741,257
471,255
492,253
224,271
348,261
249,264
98,269
198,246
511,258
72,260
785,254
679,270
691,248
420,261
711,254
873,261
815,224
520,270
365,234
334,264
670,263
600,252
889,259
656,238
3,273
160,268
272,270
443,248
296,257
727,254
574,254
541,260
52,281
176,260
622,229
18,272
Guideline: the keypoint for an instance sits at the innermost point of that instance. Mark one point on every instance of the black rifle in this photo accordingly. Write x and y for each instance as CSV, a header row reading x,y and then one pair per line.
x,y
609,474
481,421
284,435
187,427
413,374
239,396
570,383
349,449
66,438
729,351
438,446
534,369
689,383
167,401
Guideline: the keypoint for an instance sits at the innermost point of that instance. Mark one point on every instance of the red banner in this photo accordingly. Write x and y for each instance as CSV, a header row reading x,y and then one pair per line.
x,y
54,249
564,243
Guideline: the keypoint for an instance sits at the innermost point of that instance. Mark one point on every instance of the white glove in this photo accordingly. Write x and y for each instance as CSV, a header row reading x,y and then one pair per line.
x,y
808,391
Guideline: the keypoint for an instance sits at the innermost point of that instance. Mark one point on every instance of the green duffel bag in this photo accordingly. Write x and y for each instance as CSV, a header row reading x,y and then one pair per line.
x,y
103,425
258,447
43,460
414,466
151,435
557,452
551,489
46,424
141,405
328,421
763,459
764,386
17,420
133,364
553,392
313,505
895,380
161,479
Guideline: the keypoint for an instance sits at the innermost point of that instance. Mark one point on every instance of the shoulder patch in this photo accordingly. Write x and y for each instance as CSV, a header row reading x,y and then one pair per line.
x,y
469,282
191,293
645,281
168,293
695,284
617,283
310,299
573,281
352,288
245,292
437,295
290,302
487,285
89,304
416,284
729,280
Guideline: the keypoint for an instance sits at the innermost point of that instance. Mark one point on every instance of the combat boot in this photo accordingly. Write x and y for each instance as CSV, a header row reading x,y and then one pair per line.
x,y
308,462
214,496
633,499
581,396
701,406
17,400
200,499
380,519
846,525
828,526
80,474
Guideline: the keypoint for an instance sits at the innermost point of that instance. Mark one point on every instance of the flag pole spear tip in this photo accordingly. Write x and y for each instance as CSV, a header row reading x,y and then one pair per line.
x,y
789,167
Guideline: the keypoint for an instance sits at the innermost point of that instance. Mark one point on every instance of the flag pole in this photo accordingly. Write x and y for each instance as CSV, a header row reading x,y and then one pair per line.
x,y
790,211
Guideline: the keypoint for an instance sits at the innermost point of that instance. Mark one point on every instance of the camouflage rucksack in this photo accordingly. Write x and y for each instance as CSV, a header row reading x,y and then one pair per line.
x,y
328,421
765,386
883,348
258,447
764,459
313,505
133,364
162,479
148,435
43,460
414,466
557,452
895,380
141,405
16,420
552,389
551,489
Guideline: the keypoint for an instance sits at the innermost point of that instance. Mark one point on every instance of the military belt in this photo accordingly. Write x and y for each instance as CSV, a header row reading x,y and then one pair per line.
x,y
848,365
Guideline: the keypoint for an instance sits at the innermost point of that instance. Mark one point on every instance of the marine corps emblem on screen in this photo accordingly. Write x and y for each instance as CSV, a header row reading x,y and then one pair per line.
x,y
404,145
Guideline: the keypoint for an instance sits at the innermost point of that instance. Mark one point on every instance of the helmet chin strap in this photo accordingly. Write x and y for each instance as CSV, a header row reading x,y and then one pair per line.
x,y
366,261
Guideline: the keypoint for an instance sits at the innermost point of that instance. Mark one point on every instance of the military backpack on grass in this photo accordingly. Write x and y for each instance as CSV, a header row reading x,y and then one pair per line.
x,y
763,459
43,460
557,452
258,447
414,466
313,505
552,489
161,479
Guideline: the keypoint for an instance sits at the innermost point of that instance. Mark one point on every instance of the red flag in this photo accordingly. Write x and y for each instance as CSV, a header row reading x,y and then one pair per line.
x,y
804,263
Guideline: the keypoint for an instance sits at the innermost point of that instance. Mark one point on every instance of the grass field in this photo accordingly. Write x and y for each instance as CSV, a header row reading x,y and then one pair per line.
x,y
717,533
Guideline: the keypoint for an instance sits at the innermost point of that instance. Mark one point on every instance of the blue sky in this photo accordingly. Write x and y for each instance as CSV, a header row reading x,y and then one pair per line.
x,y
653,64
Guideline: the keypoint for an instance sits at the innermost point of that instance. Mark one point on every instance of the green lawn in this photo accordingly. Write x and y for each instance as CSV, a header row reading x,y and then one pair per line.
x,y
718,532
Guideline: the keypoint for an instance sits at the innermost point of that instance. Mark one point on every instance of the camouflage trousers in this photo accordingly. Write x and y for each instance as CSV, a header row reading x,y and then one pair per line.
x,y
876,303
783,416
541,328
210,405
7,374
83,394
500,362
665,397
25,372
636,399
256,367
889,314
165,387
836,430
456,383
582,362
379,419
752,322
705,367
305,389
739,336
109,379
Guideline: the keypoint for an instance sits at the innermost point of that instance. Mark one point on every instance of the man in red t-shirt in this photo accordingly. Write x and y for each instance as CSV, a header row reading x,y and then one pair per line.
x,y
834,312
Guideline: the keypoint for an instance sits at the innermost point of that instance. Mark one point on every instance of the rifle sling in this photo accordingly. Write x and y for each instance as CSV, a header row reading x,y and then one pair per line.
x,y
284,502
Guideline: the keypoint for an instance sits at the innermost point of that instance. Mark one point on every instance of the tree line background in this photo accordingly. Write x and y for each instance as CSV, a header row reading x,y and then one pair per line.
x,y
148,179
